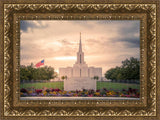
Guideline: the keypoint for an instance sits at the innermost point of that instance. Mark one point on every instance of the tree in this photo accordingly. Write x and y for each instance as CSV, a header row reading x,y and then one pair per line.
x,y
30,73
129,70
109,73
64,77
114,73
95,77
23,73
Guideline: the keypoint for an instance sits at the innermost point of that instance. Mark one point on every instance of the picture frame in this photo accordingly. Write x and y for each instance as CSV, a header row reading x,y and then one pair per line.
x,y
11,12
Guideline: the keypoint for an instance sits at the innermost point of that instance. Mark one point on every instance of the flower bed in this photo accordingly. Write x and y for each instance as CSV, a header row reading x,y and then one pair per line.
x,y
31,92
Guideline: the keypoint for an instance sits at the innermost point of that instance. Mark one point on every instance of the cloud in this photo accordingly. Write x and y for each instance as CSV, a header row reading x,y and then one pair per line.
x,y
26,24
132,42
128,42
105,43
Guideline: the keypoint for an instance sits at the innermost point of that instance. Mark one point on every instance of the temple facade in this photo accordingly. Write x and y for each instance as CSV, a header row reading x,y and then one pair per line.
x,y
80,76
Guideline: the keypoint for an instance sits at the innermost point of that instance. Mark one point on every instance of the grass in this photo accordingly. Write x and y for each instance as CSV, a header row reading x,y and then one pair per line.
x,y
59,84
116,86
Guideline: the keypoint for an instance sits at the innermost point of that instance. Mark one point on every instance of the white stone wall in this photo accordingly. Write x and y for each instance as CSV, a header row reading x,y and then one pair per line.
x,y
95,72
77,83
66,72
91,72
98,72
76,72
77,68
84,72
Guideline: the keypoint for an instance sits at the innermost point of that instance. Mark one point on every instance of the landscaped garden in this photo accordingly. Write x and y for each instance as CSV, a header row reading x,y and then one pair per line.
x,y
55,89
124,82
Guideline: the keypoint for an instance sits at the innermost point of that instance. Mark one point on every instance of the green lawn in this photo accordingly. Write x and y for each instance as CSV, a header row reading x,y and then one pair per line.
x,y
59,84
116,86
54,85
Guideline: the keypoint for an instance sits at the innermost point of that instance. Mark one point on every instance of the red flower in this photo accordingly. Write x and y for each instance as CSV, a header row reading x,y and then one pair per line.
x,y
90,95
38,91
23,90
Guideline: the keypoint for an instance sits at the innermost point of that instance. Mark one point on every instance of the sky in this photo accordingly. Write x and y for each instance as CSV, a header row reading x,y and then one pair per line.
x,y
105,43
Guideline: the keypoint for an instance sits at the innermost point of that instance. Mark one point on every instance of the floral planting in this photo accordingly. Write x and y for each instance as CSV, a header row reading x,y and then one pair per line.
x,y
46,92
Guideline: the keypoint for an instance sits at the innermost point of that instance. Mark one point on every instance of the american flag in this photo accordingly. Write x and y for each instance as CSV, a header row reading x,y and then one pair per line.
x,y
40,63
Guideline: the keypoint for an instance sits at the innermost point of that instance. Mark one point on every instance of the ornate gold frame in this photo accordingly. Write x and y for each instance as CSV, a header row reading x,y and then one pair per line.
x,y
12,12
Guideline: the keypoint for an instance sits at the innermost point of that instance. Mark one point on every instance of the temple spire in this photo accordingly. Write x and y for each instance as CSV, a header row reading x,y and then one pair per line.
x,y
80,44
80,54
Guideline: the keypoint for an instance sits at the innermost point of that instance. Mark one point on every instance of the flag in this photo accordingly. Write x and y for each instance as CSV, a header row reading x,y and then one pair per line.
x,y
40,63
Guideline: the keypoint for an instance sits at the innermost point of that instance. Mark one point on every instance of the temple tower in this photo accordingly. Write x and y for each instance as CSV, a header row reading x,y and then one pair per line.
x,y
80,53
80,76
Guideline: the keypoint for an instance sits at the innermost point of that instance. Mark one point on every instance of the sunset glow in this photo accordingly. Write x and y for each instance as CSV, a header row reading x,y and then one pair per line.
x,y
65,58
104,43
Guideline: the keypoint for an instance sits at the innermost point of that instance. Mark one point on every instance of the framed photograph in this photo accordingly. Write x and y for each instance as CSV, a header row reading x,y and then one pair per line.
x,y
79,59
55,78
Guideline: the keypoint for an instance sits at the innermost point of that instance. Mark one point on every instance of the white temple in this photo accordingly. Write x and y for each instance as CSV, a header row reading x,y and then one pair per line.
x,y
80,76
